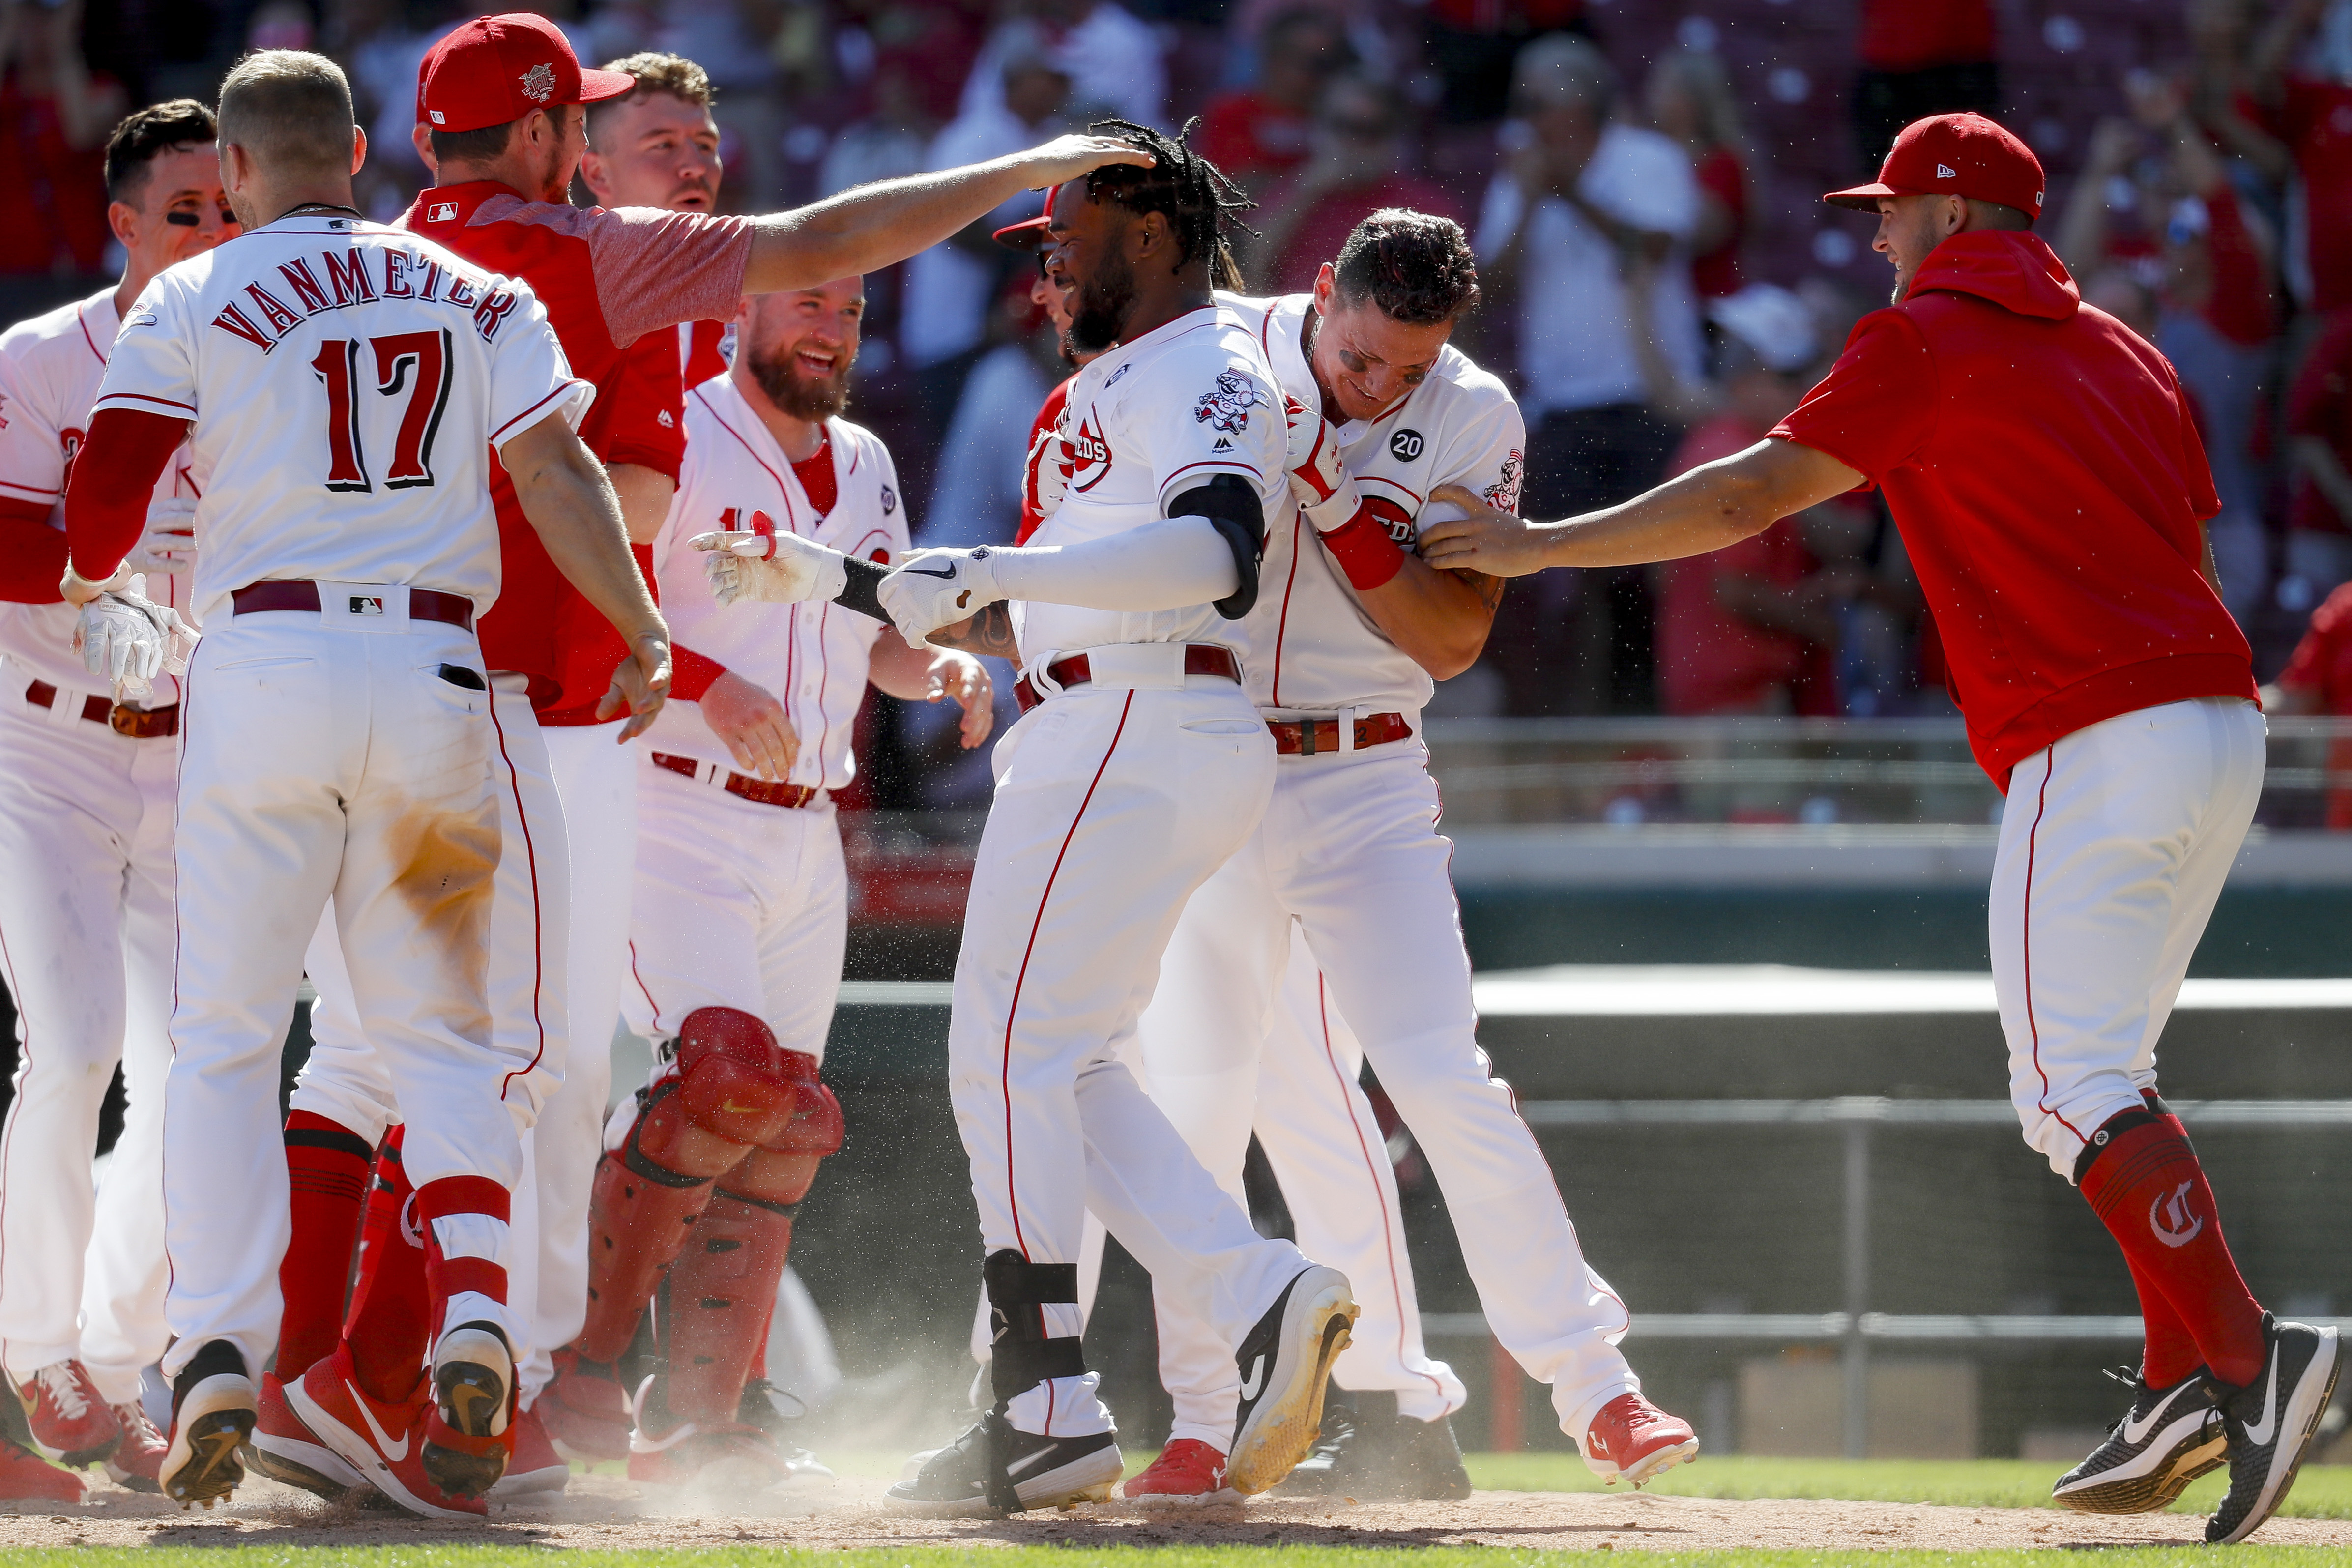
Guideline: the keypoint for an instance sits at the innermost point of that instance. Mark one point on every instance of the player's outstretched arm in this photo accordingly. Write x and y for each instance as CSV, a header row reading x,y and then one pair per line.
x,y
1168,565
880,225
932,675
566,494
1713,505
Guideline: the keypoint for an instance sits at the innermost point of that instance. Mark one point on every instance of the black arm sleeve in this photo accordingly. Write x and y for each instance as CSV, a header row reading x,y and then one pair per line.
x,y
1234,511
864,577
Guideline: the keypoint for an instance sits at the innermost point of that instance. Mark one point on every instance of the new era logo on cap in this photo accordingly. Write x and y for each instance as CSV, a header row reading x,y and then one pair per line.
x,y
1954,155
1944,172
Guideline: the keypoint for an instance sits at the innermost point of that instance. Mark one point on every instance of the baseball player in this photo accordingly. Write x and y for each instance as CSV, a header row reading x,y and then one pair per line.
x,y
2042,464
499,117
1344,644
1139,768
85,792
345,383
741,914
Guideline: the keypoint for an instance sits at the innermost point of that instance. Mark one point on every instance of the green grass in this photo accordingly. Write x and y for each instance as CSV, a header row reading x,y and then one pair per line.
x,y
2321,1491
2254,1556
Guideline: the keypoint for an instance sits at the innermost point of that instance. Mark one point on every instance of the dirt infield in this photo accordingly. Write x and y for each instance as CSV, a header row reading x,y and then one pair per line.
x,y
607,1513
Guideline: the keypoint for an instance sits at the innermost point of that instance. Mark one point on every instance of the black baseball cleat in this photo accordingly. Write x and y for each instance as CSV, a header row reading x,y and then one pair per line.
x,y
213,1408
996,1468
1371,1453
2167,1439
2270,1424
1286,1362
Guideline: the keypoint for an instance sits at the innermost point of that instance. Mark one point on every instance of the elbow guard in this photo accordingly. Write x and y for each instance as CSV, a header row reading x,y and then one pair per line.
x,y
1234,511
859,593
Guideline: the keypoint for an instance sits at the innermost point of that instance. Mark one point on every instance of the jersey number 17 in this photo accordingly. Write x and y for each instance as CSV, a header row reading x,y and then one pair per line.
x,y
415,364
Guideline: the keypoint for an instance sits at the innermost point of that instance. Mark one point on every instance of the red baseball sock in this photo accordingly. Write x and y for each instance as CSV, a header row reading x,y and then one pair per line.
x,y
478,1207
389,1328
2147,1189
327,1179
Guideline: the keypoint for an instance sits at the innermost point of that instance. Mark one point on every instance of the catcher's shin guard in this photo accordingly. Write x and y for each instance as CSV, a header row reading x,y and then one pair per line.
x,y
639,1219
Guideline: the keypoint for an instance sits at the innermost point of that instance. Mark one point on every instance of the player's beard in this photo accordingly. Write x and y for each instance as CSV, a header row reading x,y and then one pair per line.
x,y
1104,302
799,396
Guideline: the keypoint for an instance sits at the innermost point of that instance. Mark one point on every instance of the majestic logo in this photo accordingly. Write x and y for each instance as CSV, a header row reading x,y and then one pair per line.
x,y
1504,493
1089,457
441,212
665,421
1223,445
537,83
2174,1222
1405,446
1255,1383
889,501
1227,408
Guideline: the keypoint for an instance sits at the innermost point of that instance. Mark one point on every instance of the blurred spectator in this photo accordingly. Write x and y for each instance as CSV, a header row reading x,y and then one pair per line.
x,y
1265,129
1112,60
2177,224
731,40
54,119
1689,98
977,498
1921,58
381,45
1357,168
2308,105
2318,679
1475,46
949,285
894,139
1580,196
281,24
2319,431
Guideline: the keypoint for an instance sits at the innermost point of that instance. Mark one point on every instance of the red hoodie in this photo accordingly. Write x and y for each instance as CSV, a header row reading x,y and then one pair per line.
x,y
2039,458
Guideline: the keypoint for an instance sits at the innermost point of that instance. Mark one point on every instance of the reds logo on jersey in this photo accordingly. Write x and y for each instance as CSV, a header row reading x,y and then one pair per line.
x,y
1089,457
1227,408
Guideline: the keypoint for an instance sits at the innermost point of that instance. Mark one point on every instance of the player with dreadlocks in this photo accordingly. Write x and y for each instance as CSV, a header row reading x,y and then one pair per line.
x,y
1139,767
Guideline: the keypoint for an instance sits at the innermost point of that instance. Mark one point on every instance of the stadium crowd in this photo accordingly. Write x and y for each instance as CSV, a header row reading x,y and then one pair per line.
x,y
1659,283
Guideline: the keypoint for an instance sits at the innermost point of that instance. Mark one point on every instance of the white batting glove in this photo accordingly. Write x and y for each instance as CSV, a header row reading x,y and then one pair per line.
x,y
935,588
1324,490
770,568
170,542
1050,466
127,639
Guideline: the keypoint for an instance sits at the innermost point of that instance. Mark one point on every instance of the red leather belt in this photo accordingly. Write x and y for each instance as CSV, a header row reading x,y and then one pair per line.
x,y
139,723
296,593
1309,737
1199,658
791,796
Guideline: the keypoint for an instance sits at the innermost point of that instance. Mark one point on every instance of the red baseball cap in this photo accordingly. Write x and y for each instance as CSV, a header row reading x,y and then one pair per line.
x,y
495,69
1954,155
1030,233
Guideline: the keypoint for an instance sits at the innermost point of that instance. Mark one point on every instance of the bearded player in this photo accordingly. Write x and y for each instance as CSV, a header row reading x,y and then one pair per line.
x,y
2043,465
86,800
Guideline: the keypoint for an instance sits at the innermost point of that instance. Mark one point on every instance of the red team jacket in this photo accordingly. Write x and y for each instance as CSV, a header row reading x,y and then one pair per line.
x,y
609,281
2039,458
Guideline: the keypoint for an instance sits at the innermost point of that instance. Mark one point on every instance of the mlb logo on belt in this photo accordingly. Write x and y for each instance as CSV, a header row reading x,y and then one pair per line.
x,y
441,212
367,604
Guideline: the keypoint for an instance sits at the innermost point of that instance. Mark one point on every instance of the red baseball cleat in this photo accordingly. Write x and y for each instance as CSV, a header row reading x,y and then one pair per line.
x,y
1187,1473
381,1440
536,1469
1634,1440
139,1462
69,1419
284,1449
584,1410
26,1477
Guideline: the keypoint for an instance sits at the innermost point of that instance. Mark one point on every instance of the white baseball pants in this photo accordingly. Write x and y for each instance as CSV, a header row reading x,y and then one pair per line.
x,y
1324,1142
325,758
596,779
2113,847
1348,847
1112,805
738,905
86,940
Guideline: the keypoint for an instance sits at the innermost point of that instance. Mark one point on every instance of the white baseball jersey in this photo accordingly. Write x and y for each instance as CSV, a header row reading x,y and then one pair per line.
x,y
353,365
49,372
813,658
1312,647
1147,421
